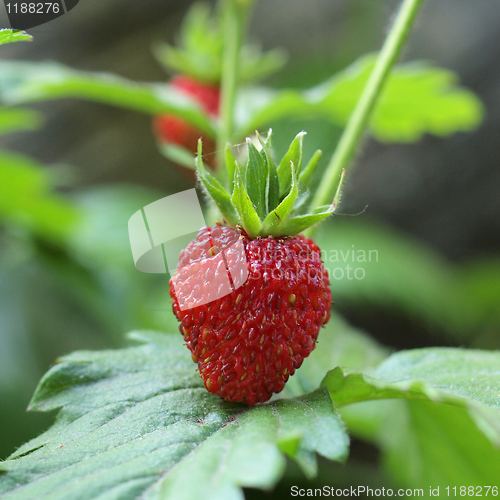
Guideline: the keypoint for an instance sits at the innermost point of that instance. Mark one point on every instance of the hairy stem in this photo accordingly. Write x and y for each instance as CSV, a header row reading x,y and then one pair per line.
x,y
362,113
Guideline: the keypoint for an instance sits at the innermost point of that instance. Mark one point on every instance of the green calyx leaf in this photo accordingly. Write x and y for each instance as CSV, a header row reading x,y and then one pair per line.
x,y
266,199
216,190
198,52
294,156
299,223
261,177
307,173
272,181
277,217
250,220
256,179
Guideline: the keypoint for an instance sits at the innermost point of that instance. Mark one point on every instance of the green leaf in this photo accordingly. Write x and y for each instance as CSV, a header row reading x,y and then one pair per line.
x,y
425,444
216,191
15,120
138,422
26,200
339,344
244,206
418,99
466,378
245,453
294,157
9,36
28,82
437,373
478,282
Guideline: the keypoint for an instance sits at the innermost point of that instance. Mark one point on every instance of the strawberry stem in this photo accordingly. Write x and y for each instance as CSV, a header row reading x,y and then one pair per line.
x,y
235,15
365,106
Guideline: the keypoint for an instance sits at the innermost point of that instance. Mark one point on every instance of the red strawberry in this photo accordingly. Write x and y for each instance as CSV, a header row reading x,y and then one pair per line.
x,y
251,294
249,342
174,130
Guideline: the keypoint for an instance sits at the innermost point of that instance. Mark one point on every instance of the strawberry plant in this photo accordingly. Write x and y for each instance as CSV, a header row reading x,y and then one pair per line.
x,y
139,422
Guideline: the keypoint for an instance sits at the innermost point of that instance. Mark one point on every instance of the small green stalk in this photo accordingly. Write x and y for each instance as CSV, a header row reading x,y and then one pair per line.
x,y
362,113
235,19
336,200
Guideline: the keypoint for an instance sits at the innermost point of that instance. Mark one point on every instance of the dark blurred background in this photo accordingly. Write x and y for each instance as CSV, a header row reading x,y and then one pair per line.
x,y
442,192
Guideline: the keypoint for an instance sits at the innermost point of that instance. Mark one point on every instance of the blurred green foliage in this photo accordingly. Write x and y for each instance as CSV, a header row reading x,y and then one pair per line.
x,y
198,51
418,99
10,36
67,282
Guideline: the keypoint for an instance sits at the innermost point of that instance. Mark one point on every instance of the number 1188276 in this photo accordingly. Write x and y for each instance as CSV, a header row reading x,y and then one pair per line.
x,y
33,8
472,491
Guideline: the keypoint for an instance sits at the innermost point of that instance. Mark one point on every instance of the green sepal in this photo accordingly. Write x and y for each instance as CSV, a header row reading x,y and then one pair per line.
x,y
256,179
240,199
266,143
307,173
272,189
299,223
277,217
256,204
301,201
216,191
293,155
